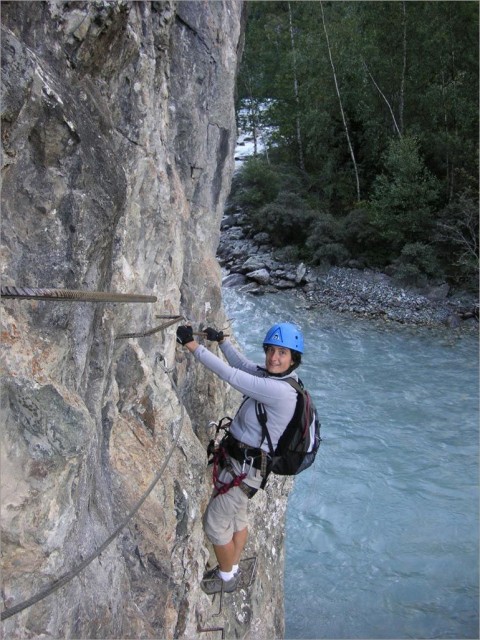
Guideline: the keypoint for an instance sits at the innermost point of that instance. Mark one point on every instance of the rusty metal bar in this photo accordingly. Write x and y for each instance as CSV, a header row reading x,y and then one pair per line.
x,y
72,295
149,332
222,629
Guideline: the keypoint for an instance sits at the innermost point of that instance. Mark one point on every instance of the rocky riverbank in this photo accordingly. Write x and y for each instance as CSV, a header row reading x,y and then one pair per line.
x,y
250,262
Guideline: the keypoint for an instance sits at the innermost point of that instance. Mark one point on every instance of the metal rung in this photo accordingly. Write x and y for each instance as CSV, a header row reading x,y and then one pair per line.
x,y
246,580
222,629
253,565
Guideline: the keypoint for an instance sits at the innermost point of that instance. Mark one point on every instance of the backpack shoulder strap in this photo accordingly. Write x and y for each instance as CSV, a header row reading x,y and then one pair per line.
x,y
262,412
262,419
296,384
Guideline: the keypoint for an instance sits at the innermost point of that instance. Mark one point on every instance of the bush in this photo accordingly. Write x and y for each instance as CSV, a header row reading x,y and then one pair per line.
x,y
363,239
331,254
290,253
256,184
287,219
326,240
456,238
416,265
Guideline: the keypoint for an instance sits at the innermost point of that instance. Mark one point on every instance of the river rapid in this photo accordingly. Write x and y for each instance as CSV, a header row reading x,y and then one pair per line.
x,y
382,532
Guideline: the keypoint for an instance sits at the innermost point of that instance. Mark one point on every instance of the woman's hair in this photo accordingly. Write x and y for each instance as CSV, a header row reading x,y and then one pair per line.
x,y
297,358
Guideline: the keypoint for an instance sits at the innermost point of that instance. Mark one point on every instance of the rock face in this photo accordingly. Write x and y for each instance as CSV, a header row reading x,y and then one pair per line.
x,y
118,134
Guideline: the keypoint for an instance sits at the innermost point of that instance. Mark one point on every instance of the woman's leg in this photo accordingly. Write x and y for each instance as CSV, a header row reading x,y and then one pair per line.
x,y
239,541
229,554
225,555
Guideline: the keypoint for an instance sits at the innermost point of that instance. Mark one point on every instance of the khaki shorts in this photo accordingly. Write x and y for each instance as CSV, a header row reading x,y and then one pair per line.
x,y
227,513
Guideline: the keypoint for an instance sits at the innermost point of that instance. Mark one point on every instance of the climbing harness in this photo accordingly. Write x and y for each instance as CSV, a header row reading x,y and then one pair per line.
x,y
221,461
10,611
229,448
73,295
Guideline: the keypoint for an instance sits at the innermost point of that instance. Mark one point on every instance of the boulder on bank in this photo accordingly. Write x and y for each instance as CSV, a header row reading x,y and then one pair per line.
x,y
234,280
365,293
262,276
254,263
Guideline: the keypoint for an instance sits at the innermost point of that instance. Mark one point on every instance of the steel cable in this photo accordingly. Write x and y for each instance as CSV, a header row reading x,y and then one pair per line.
x,y
10,611
149,332
72,295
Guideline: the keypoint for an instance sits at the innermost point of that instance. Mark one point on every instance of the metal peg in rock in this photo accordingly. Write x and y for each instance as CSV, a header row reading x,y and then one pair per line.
x,y
72,295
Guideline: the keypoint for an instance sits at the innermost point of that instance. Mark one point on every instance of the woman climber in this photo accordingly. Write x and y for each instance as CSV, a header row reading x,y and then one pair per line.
x,y
245,451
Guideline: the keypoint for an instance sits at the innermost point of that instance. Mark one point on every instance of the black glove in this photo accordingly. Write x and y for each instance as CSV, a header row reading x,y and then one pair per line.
x,y
213,335
185,334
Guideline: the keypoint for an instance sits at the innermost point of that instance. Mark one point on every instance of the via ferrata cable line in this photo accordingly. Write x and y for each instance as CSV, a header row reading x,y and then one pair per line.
x,y
149,332
72,295
63,580
77,295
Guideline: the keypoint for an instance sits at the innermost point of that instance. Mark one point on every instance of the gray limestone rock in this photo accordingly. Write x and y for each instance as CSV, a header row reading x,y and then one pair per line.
x,y
262,276
118,136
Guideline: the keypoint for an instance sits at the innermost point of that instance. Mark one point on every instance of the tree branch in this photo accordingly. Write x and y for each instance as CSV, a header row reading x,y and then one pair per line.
x,y
384,97
352,154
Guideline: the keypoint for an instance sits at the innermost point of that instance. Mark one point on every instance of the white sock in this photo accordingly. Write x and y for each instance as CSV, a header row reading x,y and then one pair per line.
x,y
235,568
226,575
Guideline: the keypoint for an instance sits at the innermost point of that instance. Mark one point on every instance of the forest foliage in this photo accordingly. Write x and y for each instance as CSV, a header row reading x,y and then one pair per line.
x,y
370,114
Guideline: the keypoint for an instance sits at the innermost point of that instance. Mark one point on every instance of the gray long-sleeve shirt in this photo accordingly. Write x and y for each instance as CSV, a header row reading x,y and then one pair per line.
x,y
279,397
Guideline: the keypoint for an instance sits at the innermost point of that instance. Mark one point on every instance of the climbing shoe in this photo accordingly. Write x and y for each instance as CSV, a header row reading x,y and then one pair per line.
x,y
212,582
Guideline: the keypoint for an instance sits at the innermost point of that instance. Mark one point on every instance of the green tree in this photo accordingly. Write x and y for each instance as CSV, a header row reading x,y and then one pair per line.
x,y
457,237
406,76
256,185
404,196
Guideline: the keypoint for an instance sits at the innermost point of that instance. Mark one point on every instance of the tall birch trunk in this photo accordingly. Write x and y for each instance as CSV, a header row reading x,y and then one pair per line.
x,y
295,89
398,126
397,129
252,111
350,147
404,68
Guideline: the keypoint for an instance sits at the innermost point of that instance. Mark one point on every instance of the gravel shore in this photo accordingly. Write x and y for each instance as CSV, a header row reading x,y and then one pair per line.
x,y
251,264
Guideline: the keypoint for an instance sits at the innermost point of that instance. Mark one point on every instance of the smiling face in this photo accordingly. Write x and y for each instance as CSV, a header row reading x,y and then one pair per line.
x,y
278,359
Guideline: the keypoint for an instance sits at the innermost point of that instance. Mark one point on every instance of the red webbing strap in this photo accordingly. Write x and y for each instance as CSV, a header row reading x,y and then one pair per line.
x,y
223,487
306,398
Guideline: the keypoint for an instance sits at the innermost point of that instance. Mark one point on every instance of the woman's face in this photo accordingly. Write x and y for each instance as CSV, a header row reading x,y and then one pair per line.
x,y
278,359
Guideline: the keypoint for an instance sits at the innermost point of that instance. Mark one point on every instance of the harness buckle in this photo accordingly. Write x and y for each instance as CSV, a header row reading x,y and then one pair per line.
x,y
247,459
263,465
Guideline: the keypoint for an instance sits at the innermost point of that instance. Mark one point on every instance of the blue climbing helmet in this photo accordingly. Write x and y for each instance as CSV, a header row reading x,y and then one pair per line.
x,y
285,334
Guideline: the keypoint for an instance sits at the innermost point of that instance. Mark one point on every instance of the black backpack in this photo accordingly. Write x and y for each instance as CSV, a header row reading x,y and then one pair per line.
x,y
299,443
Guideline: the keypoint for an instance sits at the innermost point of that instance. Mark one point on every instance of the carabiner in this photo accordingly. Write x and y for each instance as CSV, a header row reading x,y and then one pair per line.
x,y
247,459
